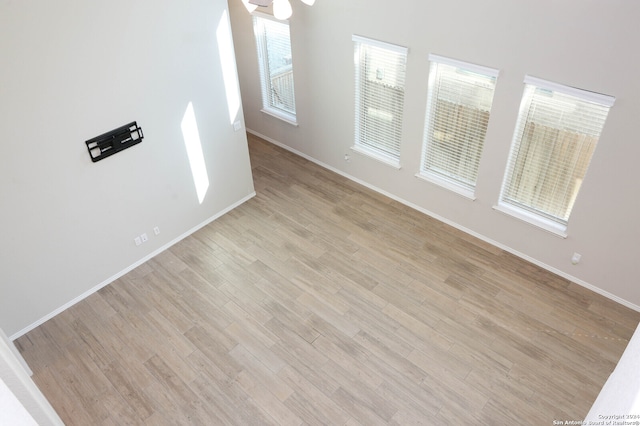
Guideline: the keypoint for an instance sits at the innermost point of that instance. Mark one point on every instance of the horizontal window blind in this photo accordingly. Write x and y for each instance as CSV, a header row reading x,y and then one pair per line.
x,y
458,108
276,67
380,78
557,132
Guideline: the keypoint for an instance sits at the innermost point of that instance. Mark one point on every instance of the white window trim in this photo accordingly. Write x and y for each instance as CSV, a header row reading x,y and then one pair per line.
x,y
377,155
555,227
491,72
437,178
291,119
586,95
281,115
371,152
548,225
381,44
268,16
447,184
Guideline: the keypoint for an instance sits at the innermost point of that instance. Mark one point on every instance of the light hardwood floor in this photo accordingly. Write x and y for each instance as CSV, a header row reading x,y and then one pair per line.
x,y
322,302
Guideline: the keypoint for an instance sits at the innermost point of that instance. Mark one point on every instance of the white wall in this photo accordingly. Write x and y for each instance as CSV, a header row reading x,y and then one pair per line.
x,y
619,398
21,402
71,71
586,44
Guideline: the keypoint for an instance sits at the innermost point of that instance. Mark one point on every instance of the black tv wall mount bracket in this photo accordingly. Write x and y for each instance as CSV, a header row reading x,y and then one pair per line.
x,y
114,141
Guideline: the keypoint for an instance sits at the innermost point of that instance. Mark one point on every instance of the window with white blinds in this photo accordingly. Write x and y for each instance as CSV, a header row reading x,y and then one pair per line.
x,y
556,134
458,108
276,67
380,77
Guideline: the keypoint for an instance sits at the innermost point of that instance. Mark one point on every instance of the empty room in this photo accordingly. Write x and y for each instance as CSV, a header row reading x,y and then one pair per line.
x,y
338,212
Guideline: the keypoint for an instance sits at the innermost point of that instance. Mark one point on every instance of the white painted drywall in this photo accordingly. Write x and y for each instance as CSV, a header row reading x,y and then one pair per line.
x,y
586,44
619,399
73,70
21,402
12,412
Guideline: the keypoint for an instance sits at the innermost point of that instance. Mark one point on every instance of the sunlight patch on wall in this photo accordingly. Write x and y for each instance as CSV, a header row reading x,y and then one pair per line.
x,y
227,61
194,152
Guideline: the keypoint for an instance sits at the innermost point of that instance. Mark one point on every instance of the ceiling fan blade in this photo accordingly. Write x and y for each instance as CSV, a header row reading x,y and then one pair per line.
x,y
263,3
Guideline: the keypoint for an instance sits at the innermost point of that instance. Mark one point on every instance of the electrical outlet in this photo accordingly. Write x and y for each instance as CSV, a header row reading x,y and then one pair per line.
x,y
144,238
156,230
575,259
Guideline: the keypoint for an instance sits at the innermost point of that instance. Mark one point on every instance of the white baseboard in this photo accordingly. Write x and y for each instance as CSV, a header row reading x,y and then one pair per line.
x,y
453,224
128,269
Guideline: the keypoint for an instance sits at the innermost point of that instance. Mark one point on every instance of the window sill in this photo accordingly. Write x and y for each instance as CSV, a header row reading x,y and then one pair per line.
x,y
451,186
554,228
287,118
379,156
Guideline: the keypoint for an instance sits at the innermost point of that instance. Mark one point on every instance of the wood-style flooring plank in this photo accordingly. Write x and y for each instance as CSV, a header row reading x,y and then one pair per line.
x,y
321,302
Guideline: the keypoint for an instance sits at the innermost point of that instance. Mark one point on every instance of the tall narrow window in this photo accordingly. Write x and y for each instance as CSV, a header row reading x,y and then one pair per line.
x,y
458,107
556,134
276,67
380,76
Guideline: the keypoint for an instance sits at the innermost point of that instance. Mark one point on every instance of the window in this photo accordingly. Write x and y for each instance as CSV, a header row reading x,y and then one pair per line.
x,y
380,75
276,68
557,131
458,107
